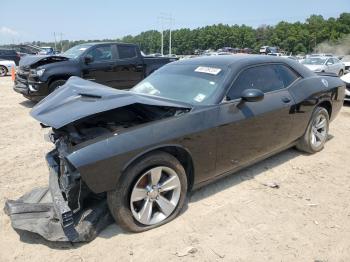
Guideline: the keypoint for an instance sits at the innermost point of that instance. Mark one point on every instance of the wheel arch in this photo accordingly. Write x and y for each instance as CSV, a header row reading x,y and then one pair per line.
x,y
58,77
327,105
182,154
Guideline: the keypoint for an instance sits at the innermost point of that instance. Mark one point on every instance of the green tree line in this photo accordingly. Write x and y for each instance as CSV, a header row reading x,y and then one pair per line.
x,y
298,37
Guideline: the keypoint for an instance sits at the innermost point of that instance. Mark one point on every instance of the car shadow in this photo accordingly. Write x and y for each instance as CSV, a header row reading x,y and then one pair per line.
x,y
245,174
28,103
206,191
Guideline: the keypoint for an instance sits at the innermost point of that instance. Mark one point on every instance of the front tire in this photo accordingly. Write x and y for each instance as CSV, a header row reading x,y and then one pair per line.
x,y
3,70
341,72
316,133
151,193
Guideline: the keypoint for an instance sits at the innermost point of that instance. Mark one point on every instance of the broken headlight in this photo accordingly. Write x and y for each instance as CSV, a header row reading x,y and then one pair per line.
x,y
40,72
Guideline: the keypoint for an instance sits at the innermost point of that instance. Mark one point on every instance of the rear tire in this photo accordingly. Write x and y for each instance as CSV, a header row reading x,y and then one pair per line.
x,y
127,205
3,70
316,133
341,72
56,84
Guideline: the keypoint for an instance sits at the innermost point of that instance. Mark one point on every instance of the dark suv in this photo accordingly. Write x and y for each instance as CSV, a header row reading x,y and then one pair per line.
x,y
10,54
116,65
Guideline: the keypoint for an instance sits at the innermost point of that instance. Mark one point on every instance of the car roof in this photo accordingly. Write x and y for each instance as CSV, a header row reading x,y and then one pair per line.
x,y
103,43
227,60
240,61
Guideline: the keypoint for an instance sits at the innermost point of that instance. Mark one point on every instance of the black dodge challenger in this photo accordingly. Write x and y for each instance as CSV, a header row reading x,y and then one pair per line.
x,y
192,121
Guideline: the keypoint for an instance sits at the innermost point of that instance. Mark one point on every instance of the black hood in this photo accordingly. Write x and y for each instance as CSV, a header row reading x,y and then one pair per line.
x,y
79,98
37,60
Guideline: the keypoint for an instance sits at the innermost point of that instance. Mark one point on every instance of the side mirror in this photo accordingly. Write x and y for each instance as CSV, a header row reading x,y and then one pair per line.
x,y
88,59
252,95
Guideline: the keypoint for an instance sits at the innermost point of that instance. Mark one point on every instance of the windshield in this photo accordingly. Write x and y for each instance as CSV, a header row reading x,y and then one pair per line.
x,y
76,51
314,61
191,84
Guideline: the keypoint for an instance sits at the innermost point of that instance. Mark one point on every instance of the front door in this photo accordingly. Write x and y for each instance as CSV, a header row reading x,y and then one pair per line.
x,y
250,130
102,67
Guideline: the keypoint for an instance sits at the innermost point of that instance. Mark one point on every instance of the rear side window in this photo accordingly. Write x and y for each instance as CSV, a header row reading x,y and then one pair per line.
x,y
126,52
287,75
267,78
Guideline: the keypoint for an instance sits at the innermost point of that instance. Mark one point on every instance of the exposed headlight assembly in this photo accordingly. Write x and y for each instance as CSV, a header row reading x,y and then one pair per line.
x,y
40,72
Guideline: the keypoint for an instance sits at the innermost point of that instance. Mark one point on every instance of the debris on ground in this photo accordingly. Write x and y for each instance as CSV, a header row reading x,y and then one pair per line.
x,y
271,184
187,251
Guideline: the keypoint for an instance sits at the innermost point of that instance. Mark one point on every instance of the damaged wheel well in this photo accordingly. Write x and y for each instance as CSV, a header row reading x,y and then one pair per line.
x,y
58,77
328,106
181,154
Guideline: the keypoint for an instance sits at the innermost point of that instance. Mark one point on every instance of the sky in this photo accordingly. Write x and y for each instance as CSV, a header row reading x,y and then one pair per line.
x,y
37,20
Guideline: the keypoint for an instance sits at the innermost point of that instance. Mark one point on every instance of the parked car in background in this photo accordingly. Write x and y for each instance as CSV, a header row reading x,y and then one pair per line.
x,y
275,54
189,123
346,79
116,65
46,50
268,49
10,54
321,55
324,64
6,66
346,61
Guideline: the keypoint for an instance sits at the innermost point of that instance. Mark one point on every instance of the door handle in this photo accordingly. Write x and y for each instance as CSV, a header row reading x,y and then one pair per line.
x,y
286,99
139,67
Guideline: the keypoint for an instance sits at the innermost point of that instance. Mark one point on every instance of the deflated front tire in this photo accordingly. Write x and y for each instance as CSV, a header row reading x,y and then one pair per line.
x,y
151,193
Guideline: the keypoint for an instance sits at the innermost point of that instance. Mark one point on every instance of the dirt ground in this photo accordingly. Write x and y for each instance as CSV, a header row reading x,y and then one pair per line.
x,y
238,218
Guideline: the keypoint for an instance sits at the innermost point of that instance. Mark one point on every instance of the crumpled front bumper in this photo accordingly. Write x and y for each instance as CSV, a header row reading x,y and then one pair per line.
x,y
44,211
32,90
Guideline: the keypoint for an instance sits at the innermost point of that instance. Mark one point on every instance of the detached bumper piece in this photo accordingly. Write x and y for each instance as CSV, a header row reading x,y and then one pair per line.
x,y
45,212
35,212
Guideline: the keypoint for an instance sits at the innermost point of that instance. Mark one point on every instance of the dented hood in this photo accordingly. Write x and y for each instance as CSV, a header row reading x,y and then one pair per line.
x,y
80,98
31,60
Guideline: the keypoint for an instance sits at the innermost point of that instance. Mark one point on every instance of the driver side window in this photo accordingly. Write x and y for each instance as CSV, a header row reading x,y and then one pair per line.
x,y
101,53
267,78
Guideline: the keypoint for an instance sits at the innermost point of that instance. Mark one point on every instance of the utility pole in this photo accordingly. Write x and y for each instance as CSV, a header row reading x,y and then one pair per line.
x,y
54,35
171,20
162,45
167,20
61,43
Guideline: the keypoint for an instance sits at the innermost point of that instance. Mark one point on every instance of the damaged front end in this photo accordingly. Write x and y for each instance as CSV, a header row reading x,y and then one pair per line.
x,y
65,211
80,113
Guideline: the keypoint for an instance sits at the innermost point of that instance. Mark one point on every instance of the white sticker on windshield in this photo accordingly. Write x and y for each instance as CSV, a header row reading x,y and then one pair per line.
x,y
199,98
208,70
82,49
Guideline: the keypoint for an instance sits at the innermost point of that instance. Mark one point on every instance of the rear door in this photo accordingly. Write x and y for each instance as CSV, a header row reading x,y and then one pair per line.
x,y
129,68
338,65
250,130
101,69
331,66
